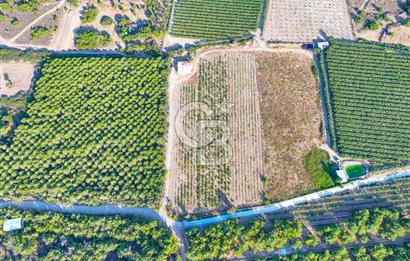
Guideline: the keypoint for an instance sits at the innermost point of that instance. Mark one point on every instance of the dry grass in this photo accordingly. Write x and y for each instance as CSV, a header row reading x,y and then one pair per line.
x,y
291,119
18,73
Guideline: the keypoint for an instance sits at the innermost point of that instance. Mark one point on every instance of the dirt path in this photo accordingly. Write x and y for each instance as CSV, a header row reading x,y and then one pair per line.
x,y
64,40
12,40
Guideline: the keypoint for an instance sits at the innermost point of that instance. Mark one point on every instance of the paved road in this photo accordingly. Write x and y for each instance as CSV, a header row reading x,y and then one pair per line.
x,y
293,202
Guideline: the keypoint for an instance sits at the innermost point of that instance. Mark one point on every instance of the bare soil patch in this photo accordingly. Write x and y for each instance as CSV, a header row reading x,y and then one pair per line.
x,y
301,21
18,74
50,21
291,119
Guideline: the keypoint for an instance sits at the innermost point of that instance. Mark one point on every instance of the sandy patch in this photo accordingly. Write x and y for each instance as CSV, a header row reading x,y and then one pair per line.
x,y
19,74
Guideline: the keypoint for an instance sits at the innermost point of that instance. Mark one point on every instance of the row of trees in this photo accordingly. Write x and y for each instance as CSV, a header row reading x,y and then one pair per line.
x,y
233,239
378,253
78,237
94,133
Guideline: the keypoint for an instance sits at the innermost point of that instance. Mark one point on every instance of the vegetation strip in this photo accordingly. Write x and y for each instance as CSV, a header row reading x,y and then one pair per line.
x,y
60,236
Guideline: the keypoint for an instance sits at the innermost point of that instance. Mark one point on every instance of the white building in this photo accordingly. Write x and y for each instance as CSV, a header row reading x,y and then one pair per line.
x,y
323,45
184,68
13,224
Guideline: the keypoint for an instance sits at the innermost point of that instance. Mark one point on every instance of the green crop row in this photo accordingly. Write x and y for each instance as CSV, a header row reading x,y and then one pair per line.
x,y
211,20
368,94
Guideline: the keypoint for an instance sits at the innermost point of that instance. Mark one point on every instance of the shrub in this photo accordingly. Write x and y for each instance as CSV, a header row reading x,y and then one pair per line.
x,y
319,168
106,20
373,26
91,40
2,17
15,22
407,23
40,32
73,2
89,15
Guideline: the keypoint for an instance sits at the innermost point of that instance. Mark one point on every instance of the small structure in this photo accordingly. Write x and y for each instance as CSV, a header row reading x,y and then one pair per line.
x,y
184,68
13,224
323,45
341,173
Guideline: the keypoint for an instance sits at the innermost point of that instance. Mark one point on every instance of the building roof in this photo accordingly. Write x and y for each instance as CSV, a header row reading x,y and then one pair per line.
x,y
13,224
323,45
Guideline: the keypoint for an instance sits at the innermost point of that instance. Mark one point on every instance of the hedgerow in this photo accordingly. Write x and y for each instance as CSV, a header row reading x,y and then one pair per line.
x,y
94,133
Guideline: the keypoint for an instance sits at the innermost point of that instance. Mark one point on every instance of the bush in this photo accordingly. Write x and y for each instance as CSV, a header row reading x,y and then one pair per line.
x,y
91,40
73,2
407,23
15,22
2,17
373,26
106,20
40,32
89,15
319,168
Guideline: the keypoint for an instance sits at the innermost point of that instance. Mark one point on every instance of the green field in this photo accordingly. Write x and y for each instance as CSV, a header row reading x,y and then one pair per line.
x,y
355,171
93,134
368,101
47,236
217,19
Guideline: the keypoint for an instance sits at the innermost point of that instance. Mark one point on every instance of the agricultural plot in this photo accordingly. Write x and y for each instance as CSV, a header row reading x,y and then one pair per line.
x,y
367,216
93,133
55,236
368,100
299,21
220,19
291,120
218,157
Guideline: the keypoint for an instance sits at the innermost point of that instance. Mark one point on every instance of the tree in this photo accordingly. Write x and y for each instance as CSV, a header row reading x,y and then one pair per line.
x,y
89,14
91,40
106,20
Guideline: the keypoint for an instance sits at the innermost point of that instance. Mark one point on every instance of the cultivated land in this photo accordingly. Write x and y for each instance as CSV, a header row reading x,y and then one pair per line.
x,y
210,19
93,133
291,119
83,237
13,80
297,21
368,100
368,216
217,160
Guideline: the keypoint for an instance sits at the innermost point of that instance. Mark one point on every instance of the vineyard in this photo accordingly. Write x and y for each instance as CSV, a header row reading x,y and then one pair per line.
x,y
47,236
93,134
367,216
209,20
218,159
368,99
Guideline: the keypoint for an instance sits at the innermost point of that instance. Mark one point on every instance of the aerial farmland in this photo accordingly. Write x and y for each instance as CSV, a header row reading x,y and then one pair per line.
x,y
204,130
